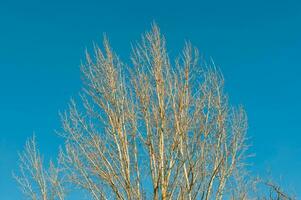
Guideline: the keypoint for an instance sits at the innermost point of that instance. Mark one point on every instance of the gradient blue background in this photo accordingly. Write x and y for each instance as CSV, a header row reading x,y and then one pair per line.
x,y
255,43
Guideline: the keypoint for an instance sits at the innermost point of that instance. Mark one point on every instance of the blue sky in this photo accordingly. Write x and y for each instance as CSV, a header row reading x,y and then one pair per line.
x,y
256,44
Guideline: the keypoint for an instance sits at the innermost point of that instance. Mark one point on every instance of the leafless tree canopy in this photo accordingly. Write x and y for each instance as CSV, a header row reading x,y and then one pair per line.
x,y
153,129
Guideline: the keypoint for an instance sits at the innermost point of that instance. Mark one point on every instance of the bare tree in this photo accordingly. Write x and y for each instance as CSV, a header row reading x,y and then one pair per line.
x,y
157,128
35,181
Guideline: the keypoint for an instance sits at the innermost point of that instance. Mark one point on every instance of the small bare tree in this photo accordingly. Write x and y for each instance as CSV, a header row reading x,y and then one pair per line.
x,y
156,128
36,182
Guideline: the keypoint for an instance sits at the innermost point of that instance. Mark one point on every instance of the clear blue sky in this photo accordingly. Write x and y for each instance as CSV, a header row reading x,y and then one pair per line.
x,y
256,43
